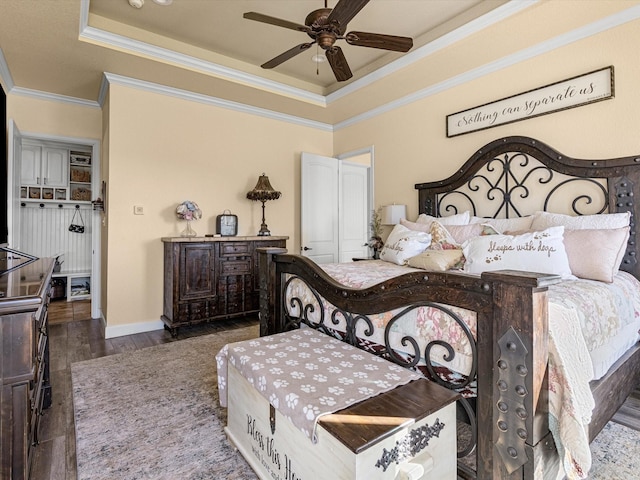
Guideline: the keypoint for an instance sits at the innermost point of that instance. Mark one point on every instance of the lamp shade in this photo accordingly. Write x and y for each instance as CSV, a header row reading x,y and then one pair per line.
x,y
392,214
263,190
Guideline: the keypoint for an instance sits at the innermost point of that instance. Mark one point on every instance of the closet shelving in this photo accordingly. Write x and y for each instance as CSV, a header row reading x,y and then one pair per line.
x,y
56,181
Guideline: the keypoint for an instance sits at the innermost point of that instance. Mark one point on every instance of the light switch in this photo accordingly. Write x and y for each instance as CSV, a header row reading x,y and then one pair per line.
x,y
138,209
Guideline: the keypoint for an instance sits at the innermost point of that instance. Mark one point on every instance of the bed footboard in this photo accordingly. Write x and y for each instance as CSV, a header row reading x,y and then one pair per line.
x,y
511,349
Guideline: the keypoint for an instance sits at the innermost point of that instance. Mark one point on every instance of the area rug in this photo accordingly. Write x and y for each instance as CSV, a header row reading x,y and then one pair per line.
x,y
154,414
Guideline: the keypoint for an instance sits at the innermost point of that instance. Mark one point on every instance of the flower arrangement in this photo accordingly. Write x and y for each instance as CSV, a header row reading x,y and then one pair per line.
x,y
188,210
375,242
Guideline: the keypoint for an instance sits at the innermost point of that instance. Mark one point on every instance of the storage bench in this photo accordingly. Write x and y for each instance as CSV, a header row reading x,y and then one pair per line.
x,y
407,432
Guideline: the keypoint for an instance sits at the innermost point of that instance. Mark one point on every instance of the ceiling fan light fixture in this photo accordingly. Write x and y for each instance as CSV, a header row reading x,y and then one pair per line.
x,y
319,58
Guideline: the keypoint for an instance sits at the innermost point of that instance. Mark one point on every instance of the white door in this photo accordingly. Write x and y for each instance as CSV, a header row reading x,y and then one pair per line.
x,y
336,199
13,183
353,211
319,197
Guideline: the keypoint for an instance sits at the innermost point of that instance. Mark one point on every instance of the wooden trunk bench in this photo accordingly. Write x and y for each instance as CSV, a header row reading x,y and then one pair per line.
x,y
405,433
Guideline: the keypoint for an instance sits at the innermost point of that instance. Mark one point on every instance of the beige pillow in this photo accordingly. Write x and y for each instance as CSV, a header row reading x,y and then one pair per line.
x,y
542,220
596,254
436,260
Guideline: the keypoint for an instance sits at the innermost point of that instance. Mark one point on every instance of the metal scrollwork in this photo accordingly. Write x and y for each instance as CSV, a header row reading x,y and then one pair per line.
x,y
506,181
410,445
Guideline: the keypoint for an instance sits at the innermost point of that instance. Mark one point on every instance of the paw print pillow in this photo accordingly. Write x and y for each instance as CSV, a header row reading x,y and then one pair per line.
x,y
541,252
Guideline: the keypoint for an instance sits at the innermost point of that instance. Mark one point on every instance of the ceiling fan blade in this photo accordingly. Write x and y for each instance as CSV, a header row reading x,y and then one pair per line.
x,y
378,40
283,57
338,64
344,11
259,17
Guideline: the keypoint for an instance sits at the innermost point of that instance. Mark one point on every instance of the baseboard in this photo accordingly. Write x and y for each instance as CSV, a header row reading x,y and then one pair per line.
x,y
131,328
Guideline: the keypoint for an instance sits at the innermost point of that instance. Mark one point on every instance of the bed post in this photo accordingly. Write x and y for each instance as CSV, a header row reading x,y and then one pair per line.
x,y
270,322
512,401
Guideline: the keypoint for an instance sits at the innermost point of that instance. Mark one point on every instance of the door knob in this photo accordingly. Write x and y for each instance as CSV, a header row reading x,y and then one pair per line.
x,y
307,248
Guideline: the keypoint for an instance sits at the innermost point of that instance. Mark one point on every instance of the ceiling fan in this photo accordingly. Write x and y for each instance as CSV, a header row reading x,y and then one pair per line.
x,y
325,26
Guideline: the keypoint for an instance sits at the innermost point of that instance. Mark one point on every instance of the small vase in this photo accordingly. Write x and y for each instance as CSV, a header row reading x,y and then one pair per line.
x,y
188,232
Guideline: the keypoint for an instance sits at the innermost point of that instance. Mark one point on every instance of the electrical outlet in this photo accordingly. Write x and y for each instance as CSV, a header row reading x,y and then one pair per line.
x,y
138,209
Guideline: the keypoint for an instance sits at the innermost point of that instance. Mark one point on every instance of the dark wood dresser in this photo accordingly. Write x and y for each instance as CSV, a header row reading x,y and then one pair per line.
x,y
206,278
24,367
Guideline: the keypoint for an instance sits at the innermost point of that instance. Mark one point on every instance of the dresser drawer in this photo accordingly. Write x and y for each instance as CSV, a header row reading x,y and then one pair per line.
x,y
234,249
196,310
235,267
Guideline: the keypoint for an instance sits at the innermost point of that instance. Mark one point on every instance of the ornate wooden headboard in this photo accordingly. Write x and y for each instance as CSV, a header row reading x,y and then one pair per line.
x,y
517,176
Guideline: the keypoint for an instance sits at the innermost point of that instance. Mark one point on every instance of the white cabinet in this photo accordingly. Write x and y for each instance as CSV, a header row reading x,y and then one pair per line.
x,y
31,165
44,166
44,172
55,164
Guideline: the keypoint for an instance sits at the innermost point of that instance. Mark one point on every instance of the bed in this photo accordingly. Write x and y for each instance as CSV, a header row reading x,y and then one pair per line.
x,y
508,360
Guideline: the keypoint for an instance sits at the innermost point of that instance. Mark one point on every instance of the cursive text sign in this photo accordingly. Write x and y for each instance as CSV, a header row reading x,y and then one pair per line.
x,y
573,92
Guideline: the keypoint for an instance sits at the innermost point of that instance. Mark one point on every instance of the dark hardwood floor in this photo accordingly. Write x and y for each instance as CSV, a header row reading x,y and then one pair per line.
x,y
74,337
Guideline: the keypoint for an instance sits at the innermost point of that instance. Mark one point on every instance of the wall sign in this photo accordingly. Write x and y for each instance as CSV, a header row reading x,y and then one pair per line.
x,y
573,92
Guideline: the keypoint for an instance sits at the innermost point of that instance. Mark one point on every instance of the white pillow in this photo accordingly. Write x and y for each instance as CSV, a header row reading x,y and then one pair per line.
x,y
502,225
541,252
403,244
542,220
457,219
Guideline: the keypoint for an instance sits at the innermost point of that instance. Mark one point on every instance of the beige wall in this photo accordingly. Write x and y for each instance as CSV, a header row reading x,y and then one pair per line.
x,y
414,136
164,150
158,151
54,118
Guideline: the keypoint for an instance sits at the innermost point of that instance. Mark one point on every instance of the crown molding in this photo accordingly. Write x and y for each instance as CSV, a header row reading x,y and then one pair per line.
x,y
111,78
620,18
119,42
54,97
5,74
594,28
470,28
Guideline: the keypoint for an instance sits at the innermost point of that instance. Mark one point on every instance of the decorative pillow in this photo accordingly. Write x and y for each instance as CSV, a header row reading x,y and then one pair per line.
x,y
462,233
418,227
437,260
441,239
403,244
453,236
457,219
596,254
503,225
542,220
541,252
